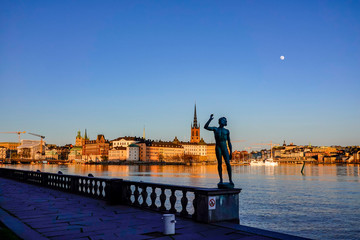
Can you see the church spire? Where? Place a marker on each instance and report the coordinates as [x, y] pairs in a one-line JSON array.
[[85, 136], [195, 124], [195, 129]]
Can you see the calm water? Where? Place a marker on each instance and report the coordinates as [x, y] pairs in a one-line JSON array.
[[321, 204]]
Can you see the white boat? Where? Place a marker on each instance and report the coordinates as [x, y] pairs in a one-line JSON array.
[[266, 162], [270, 162], [255, 162]]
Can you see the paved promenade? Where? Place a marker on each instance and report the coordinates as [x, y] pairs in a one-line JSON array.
[[34, 212]]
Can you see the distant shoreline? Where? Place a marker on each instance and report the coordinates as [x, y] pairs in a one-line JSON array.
[[134, 163]]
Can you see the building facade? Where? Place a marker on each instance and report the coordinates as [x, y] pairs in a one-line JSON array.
[[133, 152], [2, 152], [30, 149], [96, 150], [75, 153], [125, 141], [117, 154], [10, 145], [80, 140]]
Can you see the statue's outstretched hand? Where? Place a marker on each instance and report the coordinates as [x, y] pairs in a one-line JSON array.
[[212, 116]]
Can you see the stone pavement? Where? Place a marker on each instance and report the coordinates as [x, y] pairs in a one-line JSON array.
[[35, 212]]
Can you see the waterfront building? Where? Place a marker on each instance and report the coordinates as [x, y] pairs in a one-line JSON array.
[[133, 152], [64, 151], [75, 154], [142, 150], [240, 156], [210, 152], [199, 152], [356, 157], [30, 149], [10, 145], [80, 141], [2, 152], [125, 141], [96, 150], [118, 154], [325, 150], [163, 151], [51, 154]]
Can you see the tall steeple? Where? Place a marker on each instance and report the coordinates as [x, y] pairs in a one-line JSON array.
[[195, 124], [195, 129], [85, 136]]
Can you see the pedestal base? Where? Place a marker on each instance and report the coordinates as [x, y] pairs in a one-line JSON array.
[[225, 185]]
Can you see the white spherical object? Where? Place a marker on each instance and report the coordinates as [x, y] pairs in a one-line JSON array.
[[282, 57]]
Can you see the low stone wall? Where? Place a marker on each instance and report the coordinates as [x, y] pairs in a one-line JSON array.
[[201, 204]]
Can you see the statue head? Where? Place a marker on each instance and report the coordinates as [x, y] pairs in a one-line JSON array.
[[222, 121]]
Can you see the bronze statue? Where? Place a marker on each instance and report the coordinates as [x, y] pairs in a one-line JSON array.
[[222, 139]]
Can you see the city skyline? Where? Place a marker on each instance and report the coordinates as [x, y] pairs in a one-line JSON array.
[[117, 67]]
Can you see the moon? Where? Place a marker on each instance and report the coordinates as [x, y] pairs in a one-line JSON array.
[[282, 57]]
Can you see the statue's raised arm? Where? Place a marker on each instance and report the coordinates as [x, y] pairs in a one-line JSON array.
[[206, 126]]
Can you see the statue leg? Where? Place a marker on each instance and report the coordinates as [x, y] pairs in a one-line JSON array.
[[218, 157], [228, 166]]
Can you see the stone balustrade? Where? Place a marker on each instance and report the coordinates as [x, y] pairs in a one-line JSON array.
[[201, 204]]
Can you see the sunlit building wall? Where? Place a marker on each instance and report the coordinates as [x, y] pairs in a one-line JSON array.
[[30, 149], [118, 154], [96, 150], [10, 145], [124, 141], [51, 154], [2, 152], [132, 152], [75, 153]]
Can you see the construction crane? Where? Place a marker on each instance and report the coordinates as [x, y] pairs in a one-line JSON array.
[[271, 144], [18, 133], [41, 141]]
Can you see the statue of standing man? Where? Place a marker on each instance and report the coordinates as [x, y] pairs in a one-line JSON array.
[[222, 139]]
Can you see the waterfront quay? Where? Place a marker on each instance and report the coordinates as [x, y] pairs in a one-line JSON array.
[[33, 211]]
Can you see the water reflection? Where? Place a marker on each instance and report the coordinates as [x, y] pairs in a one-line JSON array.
[[321, 204], [311, 171]]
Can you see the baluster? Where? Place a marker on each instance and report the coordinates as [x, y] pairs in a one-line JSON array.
[[194, 216], [136, 196], [59, 182], [56, 181], [68, 183], [153, 198], [62, 186], [101, 188], [162, 200], [96, 188], [103, 184], [128, 194], [172, 201], [144, 195], [91, 188], [86, 186], [184, 202], [83, 184]]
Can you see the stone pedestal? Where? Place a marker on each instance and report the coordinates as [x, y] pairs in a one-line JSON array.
[[216, 205]]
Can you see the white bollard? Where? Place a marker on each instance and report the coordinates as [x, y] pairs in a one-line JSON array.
[[169, 224]]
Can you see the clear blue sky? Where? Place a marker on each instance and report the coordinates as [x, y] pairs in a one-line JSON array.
[[113, 67]]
